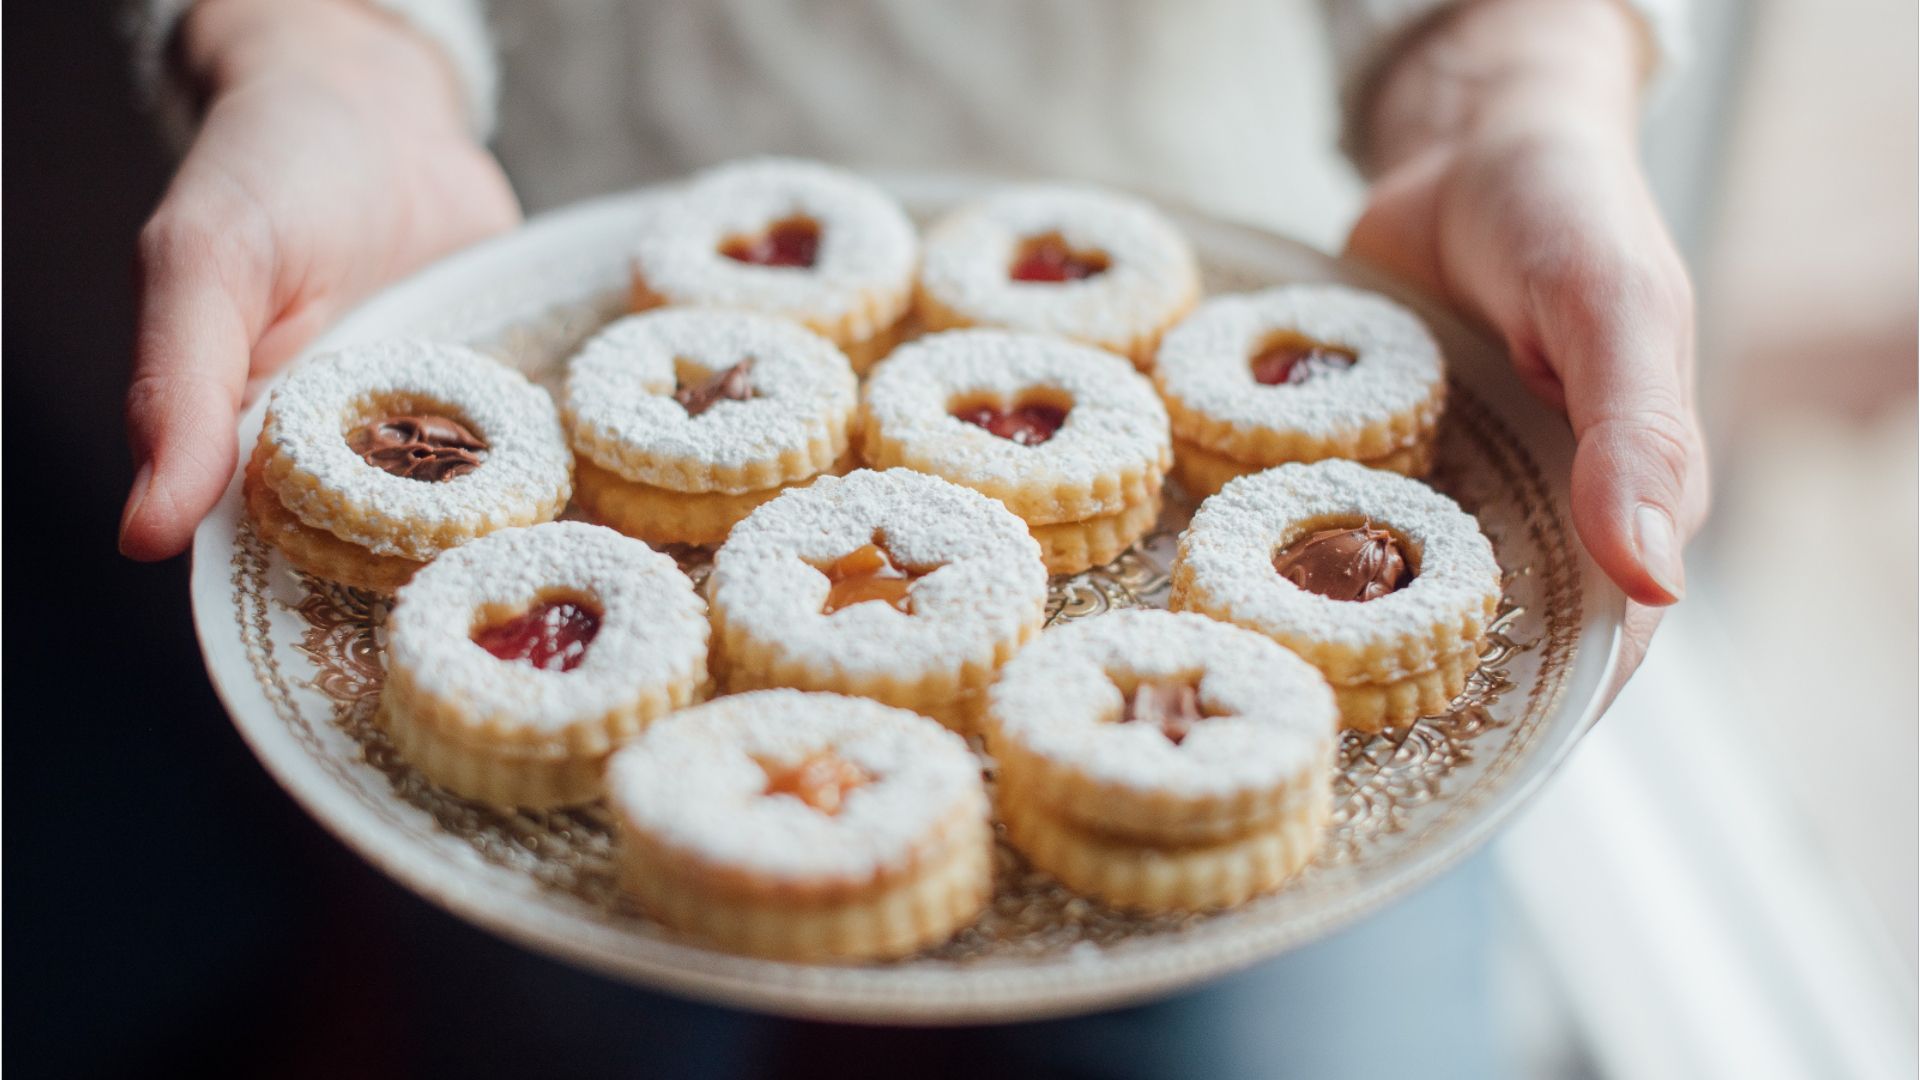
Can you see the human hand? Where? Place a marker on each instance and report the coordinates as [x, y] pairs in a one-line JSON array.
[[333, 158], [1507, 181]]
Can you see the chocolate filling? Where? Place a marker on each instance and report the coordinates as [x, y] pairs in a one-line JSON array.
[[729, 384], [1363, 563], [429, 448]]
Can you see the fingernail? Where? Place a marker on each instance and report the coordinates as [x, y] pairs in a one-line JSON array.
[[1659, 551], [142, 480]]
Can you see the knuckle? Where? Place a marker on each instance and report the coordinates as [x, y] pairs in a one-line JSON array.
[[178, 238], [1660, 440], [1599, 285]]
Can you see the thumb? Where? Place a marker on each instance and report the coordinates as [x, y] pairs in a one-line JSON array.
[[191, 355], [1620, 337]]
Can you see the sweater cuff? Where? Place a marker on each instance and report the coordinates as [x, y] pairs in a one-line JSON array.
[[457, 27], [1368, 34]]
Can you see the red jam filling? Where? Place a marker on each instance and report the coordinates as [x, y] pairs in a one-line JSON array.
[[866, 574], [1173, 707], [1049, 258], [1291, 359], [793, 242], [551, 635], [1029, 424]]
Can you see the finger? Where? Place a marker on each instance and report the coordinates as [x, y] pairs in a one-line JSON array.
[[1619, 335], [1395, 232], [195, 332]]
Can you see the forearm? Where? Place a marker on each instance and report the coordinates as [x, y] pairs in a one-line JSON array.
[[1504, 68]]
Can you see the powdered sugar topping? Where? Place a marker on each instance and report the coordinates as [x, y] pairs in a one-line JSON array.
[[1116, 422], [1230, 545], [526, 465], [653, 626], [696, 781], [1151, 274], [619, 405], [1270, 715], [1205, 362], [986, 585], [867, 245]]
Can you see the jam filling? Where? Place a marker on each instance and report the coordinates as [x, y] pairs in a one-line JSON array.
[[552, 635], [1358, 564], [793, 242], [868, 574], [822, 780], [428, 448], [1028, 424], [1291, 359], [729, 384], [1173, 707], [1049, 258]]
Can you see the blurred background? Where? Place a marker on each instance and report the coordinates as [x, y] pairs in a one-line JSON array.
[[1721, 883]]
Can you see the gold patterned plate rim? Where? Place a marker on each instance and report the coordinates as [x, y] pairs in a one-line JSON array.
[[296, 664]]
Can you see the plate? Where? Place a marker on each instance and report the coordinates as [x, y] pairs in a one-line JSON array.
[[297, 663]]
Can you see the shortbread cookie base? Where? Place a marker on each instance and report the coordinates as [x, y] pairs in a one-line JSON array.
[[1405, 656], [659, 516], [1202, 472], [1074, 546], [866, 333], [1036, 500], [693, 478], [1370, 706], [506, 777], [316, 551], [479, 725], [953, 696], [935, 315], [1267, 447], [895, 919], [1152, 879], [1136, 815]]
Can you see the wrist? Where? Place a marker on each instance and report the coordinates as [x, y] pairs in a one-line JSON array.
[[345, 47], [1503, 69]]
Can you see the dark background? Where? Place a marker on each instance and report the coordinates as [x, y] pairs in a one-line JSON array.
[[166, 906]]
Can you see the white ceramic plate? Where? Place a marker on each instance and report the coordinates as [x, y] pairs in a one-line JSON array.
[[297, 663]]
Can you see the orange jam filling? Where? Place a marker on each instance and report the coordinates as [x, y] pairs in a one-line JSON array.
[[794, 242], [822, 780], [1290, 359], [869, 573], [1049, 258]]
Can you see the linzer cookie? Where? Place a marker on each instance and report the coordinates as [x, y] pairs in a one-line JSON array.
[[684, 420], [1068, 437], [796, 239], [1161, 761], [892, 585], [803, 827], [1299, 373], [1384, 584], [375, 459], [516, 663], [1072, 261]]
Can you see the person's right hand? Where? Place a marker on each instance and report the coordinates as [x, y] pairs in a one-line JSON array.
[[334, 157]]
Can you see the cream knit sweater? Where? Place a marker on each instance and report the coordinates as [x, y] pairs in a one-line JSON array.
[[1234, 106]]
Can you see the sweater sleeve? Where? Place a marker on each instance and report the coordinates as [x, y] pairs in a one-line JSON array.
[[458, 27], [1366, 34]]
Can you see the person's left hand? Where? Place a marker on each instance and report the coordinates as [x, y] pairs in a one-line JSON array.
[[1519, 198]]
